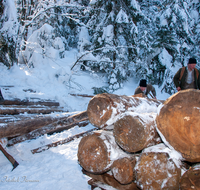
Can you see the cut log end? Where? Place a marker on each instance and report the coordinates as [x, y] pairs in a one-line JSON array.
[[156, 171], [123, 170], [190, 179], [99, 110], [92, 154], [178, 121], [132, 134]]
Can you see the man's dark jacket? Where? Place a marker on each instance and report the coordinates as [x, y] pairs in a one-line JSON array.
[[181, 83], [149, 88]]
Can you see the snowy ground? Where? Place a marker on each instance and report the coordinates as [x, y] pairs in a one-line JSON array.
[[56, 168]]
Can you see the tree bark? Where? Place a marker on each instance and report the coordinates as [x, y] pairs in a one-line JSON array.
[[104, 106], [154, 170], [178, 122], [134, 132]]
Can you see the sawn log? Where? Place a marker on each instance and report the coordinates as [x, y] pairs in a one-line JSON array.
[[134, 132], [155, 170], [178, 122], [104, 106], [97, 152]]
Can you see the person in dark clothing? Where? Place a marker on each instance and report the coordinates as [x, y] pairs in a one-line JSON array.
[[187, 77], [1, 96], [145, 88]]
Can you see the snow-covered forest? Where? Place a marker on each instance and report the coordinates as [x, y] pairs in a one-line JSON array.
[[117, 39], [58, 49]]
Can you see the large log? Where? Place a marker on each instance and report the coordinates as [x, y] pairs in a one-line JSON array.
[[134, 132], [178, 123], [190, 180], [123, 169], [97, 151], [154, 170], [104, 107]]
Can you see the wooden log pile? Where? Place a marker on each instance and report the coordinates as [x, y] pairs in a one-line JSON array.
[[22, 120], [143, 143]]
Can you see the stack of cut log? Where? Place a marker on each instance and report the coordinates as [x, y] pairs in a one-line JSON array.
[[143, 143]]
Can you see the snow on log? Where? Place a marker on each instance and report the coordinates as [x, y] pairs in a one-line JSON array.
[[133, 132], [154, 170], [178, 123], [123, 170], [103, 108], [190, 180], [97, 151]]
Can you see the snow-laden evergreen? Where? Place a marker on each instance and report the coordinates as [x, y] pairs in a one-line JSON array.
[[117, 39]]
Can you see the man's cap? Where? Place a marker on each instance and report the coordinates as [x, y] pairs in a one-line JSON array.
[[143, 83], [192, 61]]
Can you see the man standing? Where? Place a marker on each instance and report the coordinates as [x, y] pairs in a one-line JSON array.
[[1, 96], [145, 88], [187, 77]]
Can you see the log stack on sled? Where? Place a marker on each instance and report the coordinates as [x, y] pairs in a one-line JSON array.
[[143, 143]]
